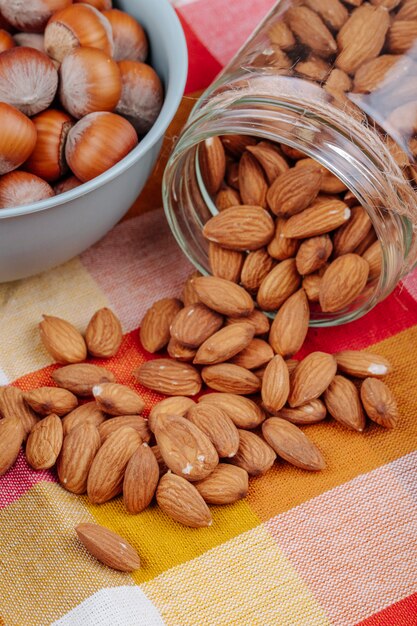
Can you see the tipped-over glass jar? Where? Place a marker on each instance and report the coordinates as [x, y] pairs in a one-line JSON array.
[[337, 82]]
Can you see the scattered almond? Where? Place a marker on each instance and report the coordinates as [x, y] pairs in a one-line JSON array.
[[313, 254], [290, 326], [243, 412], [311, 30], [137, 422], [278, 285], [11, 438], [224, 344], [225, 485], [178, 351], [80, 379], [116, 399], [140, 480], [362, 364], [311, 378], [373, 256], [230, 378], [104, 334], [155, 327], [275, 385], [88, 413], [256, 266], [44, 443], [12, 404], [225, 263], [321, 217], [258, 319], [169, 377], [223, 296], [291, 444], [254, 455], [108, 548], [79, 448], [194, 324], [343, 281], [310, 413], [256, 354], [349, 236], [281, 247], [62, 340], [177, 405], [181, 501], [379, 403], [218, 427], [343, 403], [47, 400]]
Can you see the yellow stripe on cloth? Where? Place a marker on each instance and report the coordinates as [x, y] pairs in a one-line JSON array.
[[246, 581]]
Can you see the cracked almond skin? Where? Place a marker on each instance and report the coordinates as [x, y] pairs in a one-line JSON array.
[[243, 412], [212, 163], [230, 378], [155, 327], [171, 378], [225, 485], [108, 548], [12, 404], [81, 378], [278, 285], [177, 405], [291, 444], [275, 385], [186, 450], [140, 480], [224, 344], [194, 324], [322, 216], [343, 403], [137, 422], [252, 183], [115, 399], [343, 281], [362, 364], [310, 413], [311, 378], [257, 354], [290, 326], [44, 443], [181, 501], [11, 438], [294, 190], [218, 427], [62, 340], [225, 263], [379, 403], [47, 400], [88, 413], [244, 227], [223, 296], [104, 334], [79, 448], [254, 455]]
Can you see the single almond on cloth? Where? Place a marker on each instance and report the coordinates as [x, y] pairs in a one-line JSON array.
[[362, 364], [212, 161], [171, 378], [62, 340], [137, 422], [79, 448], [252, 183], [225, 344], [162, 466], [294, 190], [258, 319], [278, 285], [104, 334], [194, 324], [80, 379], [181, 501], [116, 399], [256, 266], [343, 281], [225, 485], [226, 198], [311, 30], [140, 480], [108, 548], [313, 254], [230, 378], [322, 216], [275, 385], [155, 327], [270, 158], [177, 405], [88, 413], [223, 296], [311, 378], [349, 236], [281, 247], [310, 413], [189, 295], [292, 445], [256, 354], [311, 285], [343, 403], [243, 227], [47, 400], [243, 412], [218, 427], [178, 351], [225, 263], [373, 256], [379, 402], [11, 438], [186, 450], [235, 145], [254, 455], [44, 443], [107, 470], [290, 326], [12, 404]]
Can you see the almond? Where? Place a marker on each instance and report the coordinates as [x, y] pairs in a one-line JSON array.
[[169, 377], [291, 364], [141, 480], [108, 548], [321, 217], [349, 236], [79, 448], [243, 412], [379, 403], [223, 296], [11, 438], [212, 163], [47, 400], [177, 405], [104, 334], [226, 198], [292, 153], [241, 228], [181, 501], [232, 174], [372, 74], [294, 190], [343, 403], [225, 344], [313, 253], [12, 404], [225, 263], [329, 182], [343, 281], [230, 378], [163, 469], [225, 485], [62, 340], [332, 12], [137, 422], [281, 247], [355, 44], [44, 443], [281, 35], [252, 184], [401, 36], [194, 324], [311, 285], [373, 256], [254, 455], [269, 157], [258, 319], [178, 351], [311, 378], [278, 285], [311, 30], [256, 354], [256, 266], [314, 68], [291, 444], [361, 364], [235, 145], [189, 295], [80, 379], [155, 327], [88, 413], [186, 450], [366, 242], [408, 10], [290, 326], [218, 427], [310, 413], [338, 81], [275, 385], [107, 470], [116, 399]]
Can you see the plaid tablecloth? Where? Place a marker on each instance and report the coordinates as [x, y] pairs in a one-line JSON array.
[[309, 549]]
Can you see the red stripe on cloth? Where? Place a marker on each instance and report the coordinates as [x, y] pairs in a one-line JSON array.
[[19, 479], [402, 613]]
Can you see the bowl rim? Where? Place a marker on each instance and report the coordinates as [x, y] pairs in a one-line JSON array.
[[174, 94]]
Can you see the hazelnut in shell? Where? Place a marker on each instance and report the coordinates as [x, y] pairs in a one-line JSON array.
[[17, 138], [66, 185], [18, 188], [6, 41], [129, 38], [31, 15], [142, 95], [30, 40], [97, 142], [89, 81], [48, 157]]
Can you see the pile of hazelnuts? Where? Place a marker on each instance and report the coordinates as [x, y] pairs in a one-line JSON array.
[[76, 94]]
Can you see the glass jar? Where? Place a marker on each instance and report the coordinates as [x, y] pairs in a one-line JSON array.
[[338, 82]]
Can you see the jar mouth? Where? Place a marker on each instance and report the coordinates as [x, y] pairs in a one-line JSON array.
[[351, 152]]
